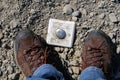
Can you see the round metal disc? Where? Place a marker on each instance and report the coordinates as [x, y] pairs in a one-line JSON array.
[[60, 33]]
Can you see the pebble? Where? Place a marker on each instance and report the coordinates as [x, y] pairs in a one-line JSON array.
[[117, 1], [67, 1], [10, 69], [66, 50], [114, 40], [73, 63], [102, 16], [113, 18], [13, 76], [1, 35], [83, 11], [14, 23], [101, 4], [63, 55], [113, 0], [92, 14], [12, 44], [67, 10], [118, 50], [4, 45], [70, 70], [2, 68], [77, 53], [111, 35], [76, 14], [32, 11], [37, 1], [61, 49], [75, 76], [10, 54], [93, 1], [57, 49], [76, 70], [31, 18], [74, 18]]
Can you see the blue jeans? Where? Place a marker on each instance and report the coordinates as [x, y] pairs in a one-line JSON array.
[[47, 71]]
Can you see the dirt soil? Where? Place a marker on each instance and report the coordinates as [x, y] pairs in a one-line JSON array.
[[35, 14]]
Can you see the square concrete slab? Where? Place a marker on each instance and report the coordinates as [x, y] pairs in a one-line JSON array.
[[60, 33]]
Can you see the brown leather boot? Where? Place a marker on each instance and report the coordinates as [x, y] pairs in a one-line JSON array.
[[97, 51], [30, 50]]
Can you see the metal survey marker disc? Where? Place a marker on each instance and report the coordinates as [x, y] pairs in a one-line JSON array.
[[60, 33]]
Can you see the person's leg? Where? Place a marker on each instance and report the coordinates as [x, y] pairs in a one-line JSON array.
[[92, 73], [45, 72]]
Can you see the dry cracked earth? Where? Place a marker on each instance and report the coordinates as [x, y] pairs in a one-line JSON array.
[[35, 14]]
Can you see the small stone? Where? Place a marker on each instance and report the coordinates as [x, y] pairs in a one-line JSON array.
[[91, 14], [2, 68], [114, 40], [117, 1], [31, 18], [70, 70], [10, 69], [61, 49], [13, 76], [101, 4], [113, 0], [67, 1], [37, 1], [77, 53], [1, 35], [119, 19], [76, 70], [115, 29], [113, 18], [67, 9], [73, 63], [111, 35], [74, 18], [32, 11], [102, 16], [66, 50], [14, 23], [4, 45], [11, 44], [93, 1], [57, 49], [84, 25], [83, 11], [63, 55], [76, 14], [118, 50]]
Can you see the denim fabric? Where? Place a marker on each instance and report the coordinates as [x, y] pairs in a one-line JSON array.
[[46, 72], [92, 73]]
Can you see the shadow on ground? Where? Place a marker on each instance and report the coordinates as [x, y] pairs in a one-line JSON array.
[[55, 60]]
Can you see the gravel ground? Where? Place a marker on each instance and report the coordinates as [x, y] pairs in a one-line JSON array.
[[35, 14]]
